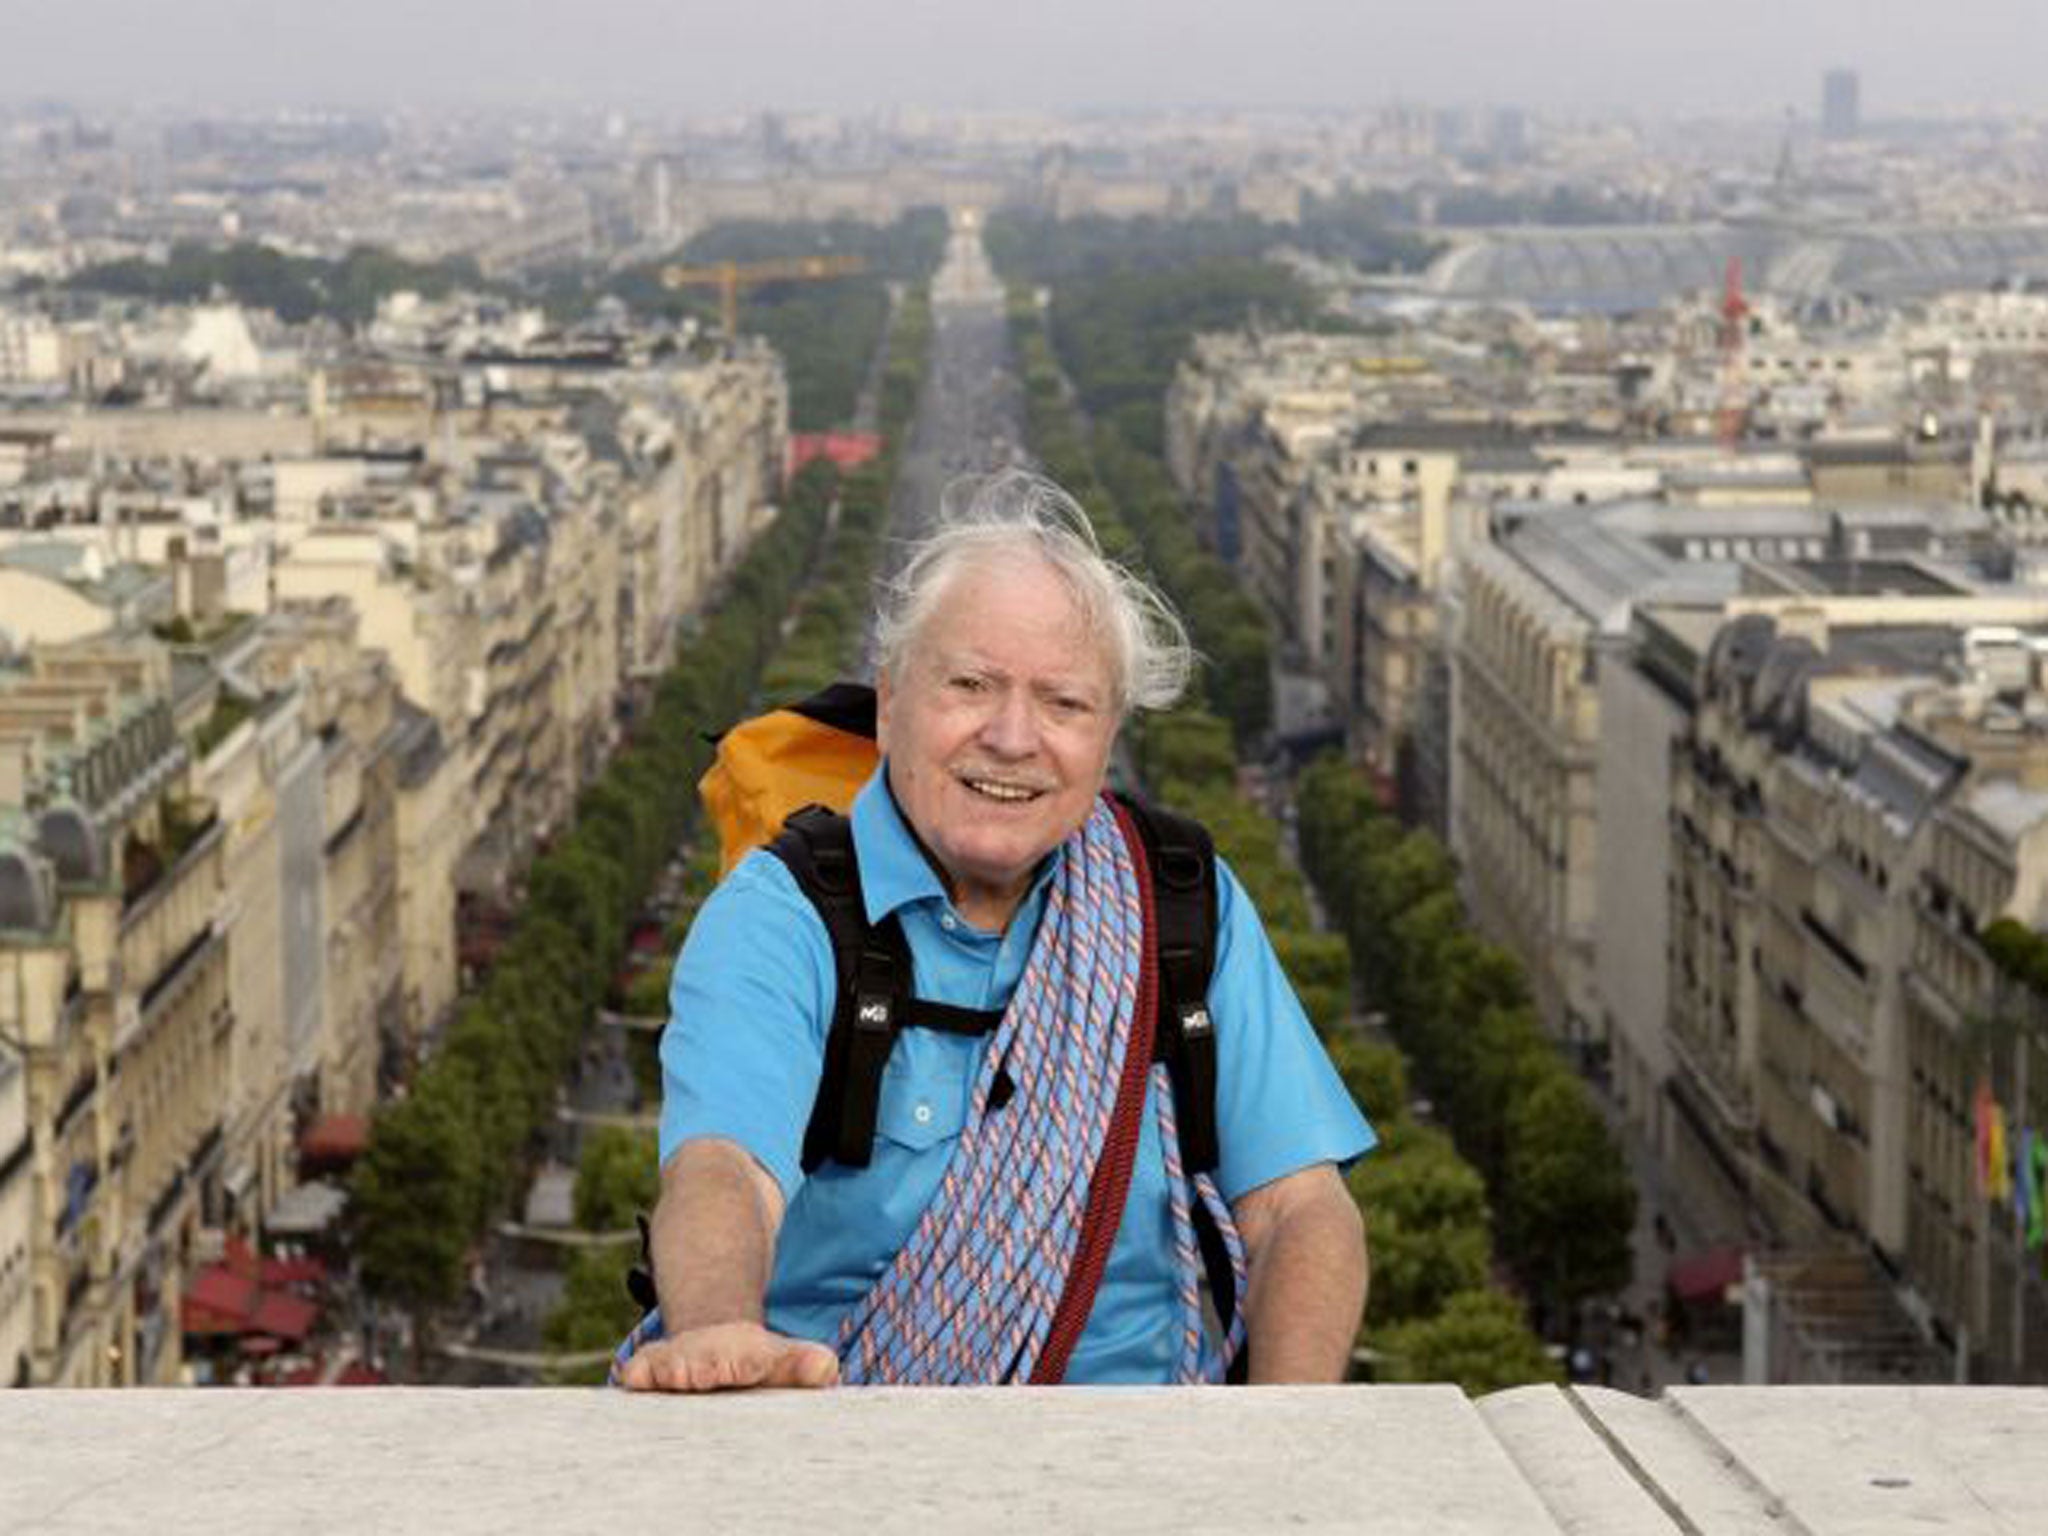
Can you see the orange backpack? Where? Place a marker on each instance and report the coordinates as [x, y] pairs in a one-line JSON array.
[[818, 751]]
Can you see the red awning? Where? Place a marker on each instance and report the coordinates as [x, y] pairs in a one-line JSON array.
[[219, 1295], [283, 1316], [335, 1139], [1704, 1276]]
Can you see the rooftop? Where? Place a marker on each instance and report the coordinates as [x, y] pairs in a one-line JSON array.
[[1612, 268], [1425, 1459], [1594, 560], [2009, 808]]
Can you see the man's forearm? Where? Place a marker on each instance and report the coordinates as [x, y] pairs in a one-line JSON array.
[[713, 1237], [1307, 1292]]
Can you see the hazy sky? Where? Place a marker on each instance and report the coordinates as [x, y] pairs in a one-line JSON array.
[[1644, 55]]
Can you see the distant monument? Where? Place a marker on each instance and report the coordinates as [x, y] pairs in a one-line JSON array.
[[1840, 106]]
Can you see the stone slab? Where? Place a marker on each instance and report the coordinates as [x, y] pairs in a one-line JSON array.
[[1665, 1451], [451, 1462], [1860, 1461], [1572, 1464]]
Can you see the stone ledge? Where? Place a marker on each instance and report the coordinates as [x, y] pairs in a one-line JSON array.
[[1392, 1459]]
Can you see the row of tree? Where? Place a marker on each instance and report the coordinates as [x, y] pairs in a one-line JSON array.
[[1125, 300], [823, 331], [1434, 1315], [295, 288], [1366, 232], [1098, 465], [454, 1150], [617, 1171], [823, 645], [1460, 1007], [1186, 758]]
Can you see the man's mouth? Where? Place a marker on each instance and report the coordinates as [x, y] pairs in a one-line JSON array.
[[1002, 791]]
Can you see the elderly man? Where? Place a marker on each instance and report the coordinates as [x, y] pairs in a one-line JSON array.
[[1010, 651]]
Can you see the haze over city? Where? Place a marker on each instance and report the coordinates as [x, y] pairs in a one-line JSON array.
[[1599, 454], [1655, 57]]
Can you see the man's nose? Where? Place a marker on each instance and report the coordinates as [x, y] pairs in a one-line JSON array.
[[1012, 725]]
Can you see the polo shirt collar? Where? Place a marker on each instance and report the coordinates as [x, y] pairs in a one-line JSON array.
[[894, 871]]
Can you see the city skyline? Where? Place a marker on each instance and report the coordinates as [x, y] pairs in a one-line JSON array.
[[1747, 58]]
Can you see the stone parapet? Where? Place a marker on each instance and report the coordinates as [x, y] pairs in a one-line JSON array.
[[1418, 1459]]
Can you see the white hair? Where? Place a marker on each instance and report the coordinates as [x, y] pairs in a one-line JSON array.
[[983, 522]]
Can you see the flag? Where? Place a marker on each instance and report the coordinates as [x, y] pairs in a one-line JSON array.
[[2001, 1161], [2023, 1191], [2037, 1176], [1980, 1112]]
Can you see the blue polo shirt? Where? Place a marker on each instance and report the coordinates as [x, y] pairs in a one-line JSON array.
[[750, 1005]]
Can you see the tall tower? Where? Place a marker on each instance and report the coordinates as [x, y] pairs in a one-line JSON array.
[[1840, 105], [1733, 415]]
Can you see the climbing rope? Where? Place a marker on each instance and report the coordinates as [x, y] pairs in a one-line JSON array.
[[971, 1296]]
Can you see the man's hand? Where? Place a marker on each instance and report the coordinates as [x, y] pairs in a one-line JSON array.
[[726, 1357]]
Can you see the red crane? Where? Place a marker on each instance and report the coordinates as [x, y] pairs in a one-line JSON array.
[[1734, 408]]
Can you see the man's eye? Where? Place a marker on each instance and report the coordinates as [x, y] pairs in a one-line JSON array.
[[967, 684]]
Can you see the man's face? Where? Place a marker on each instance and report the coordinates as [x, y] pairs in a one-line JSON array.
[[998, 728]]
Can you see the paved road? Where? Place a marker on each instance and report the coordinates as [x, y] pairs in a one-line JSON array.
[[970, 417]]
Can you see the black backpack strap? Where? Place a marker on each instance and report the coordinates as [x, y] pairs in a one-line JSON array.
[[1183, 860], [872, 1000], [640, 1278], [923, 1013], [872, 973]]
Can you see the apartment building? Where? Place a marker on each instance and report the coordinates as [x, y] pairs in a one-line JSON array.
[[116, 996], [1857, 794], [1229, 381], [1543, 609], [1406, 500], [1976, 1036], [17, 1208], [258, 761]]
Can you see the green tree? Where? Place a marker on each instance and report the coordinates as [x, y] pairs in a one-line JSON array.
[[1377, 1076], [1569, 1208], [1425, 1210], [1480, 1340], [413, 1199], [618, 1177], [595, 1311], [1319, 966], [647, 997]]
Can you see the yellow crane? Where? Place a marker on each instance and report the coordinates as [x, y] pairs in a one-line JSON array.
[[728, 277]]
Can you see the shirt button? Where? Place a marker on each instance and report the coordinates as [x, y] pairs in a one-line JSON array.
[[947, 922], [922, 1114]]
